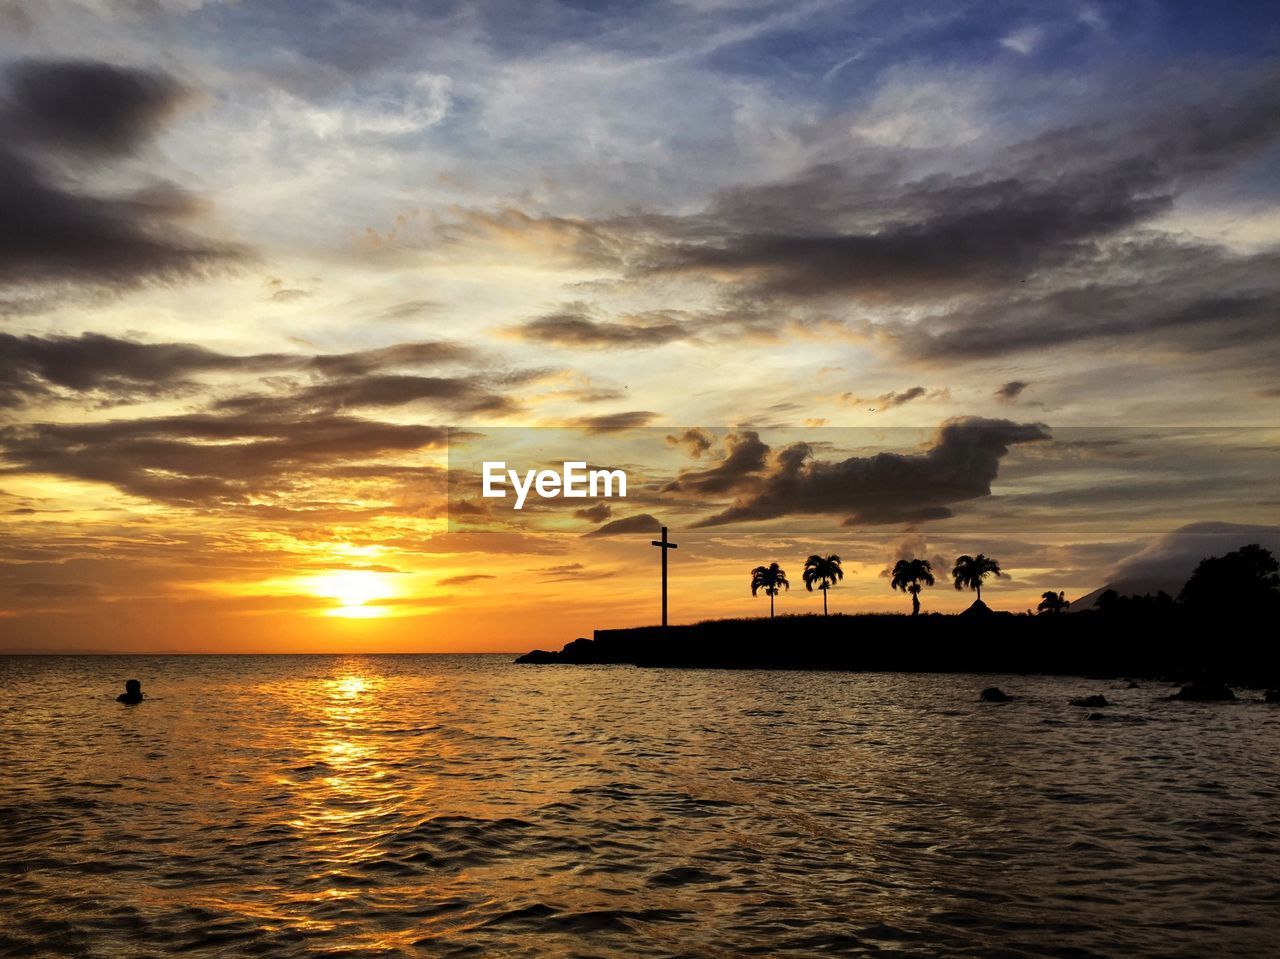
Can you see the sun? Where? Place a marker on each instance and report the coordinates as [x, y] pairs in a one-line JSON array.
[[353, 590]]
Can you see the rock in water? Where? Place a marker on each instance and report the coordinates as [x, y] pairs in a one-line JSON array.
[[1091, 701], [994, 694], [581, 650], [539, 657], [1272, 696], [1204, 691]]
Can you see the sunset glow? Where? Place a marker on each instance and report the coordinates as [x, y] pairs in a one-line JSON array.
[[909, 293], [352, 590]]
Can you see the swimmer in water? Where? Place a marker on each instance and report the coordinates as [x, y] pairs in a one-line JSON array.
[[132, 693]]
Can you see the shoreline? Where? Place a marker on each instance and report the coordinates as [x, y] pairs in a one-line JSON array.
[[1083, 644]]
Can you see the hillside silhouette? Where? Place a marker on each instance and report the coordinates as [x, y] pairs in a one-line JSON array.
[[1216, 626]]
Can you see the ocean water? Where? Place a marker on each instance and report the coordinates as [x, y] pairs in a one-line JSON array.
[[464, 806]]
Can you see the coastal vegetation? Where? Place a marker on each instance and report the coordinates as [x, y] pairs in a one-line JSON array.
[[1209, 629], [771, 579], [825, 572]]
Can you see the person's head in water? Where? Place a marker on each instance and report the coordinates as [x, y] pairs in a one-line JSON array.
[[132, 692]]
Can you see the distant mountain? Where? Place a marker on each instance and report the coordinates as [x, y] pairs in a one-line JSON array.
[[1130, 588], [1169, 560]]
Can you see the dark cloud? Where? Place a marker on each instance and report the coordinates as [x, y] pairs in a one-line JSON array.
[[463, 580], [890, 400], [1048, 246], [208, 460], [694, 441], [609, 422], [113, 369], [744, 460], [960, 465], [85, 107], [640, 523], [464, 394], [577, 327], [53, 233], [1011, 391], [1157, 290], [569, 572], [594, 514], [1055, 194], [424, 353], [54, 229], [887, 401], [34, 366]]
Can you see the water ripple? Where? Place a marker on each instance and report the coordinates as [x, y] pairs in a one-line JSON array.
[[463, 806]]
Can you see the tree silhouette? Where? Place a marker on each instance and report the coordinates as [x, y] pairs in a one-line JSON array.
[[1144, 608], [908, 575], [970, 571], [823, 570], [1248, 576], [1051, 602], [770, 578]]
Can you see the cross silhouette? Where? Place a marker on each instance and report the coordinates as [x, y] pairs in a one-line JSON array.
[[663, 545]]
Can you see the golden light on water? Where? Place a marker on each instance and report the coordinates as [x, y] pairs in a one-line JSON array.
[[351, 686]]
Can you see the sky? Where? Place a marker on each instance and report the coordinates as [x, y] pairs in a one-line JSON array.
[[877, 279]]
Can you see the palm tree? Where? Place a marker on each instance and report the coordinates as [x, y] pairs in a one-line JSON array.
[[908, 574], [825, 571], [1051, 602], [770, 578], [970, 571]]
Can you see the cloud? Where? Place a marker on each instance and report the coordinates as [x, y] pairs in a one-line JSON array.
[[610, 422], [1191, 297], [887, 401], [576, 327], [208, 460], [1024, 40], [640, 523], [463, 580], [421, 353], [594, 514], [464, 394], [1011, 391], [744, 459], [890, 400], [1052, 240], [569, 572], [694, 441], [115, 370], [87, 108], [52, 228], [960, 465], [1168, 561], [34, 366], [914, 545], [947, 233]]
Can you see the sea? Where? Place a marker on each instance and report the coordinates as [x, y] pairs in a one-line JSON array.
[[353, 806]]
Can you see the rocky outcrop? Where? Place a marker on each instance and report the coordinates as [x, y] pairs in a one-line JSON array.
[[1205, 691], [994, 694], [1094, 701]]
